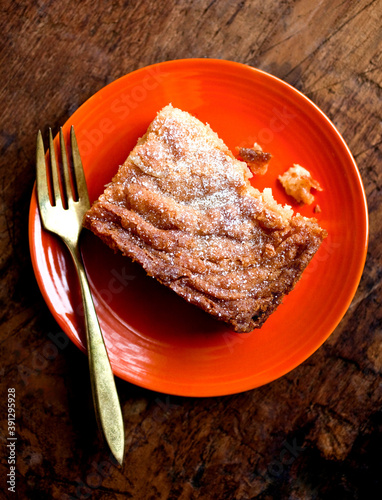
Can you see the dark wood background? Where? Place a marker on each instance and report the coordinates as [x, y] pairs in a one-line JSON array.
[[315, 433]]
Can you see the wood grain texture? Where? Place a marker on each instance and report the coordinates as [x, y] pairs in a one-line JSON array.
[[315, 433]]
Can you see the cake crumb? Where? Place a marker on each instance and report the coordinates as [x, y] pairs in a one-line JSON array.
[[256, 159], [297, 182], [317, 209]]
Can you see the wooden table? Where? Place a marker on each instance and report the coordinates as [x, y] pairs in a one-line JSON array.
[[315, 433]]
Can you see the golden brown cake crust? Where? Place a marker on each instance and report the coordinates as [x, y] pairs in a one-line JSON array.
[[182, 206]]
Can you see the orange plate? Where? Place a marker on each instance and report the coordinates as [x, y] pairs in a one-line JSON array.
[[155, 339]]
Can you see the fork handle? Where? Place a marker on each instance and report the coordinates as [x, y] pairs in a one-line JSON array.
[[105, 396]]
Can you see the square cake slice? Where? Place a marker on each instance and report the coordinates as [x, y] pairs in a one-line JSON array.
[[183, 207]]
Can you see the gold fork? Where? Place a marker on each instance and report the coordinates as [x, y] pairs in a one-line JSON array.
[[63, 216]]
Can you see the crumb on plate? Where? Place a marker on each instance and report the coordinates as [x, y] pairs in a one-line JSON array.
[[256, 159], [297, 182]]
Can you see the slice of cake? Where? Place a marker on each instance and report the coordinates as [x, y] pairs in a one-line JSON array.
[[182, 206]]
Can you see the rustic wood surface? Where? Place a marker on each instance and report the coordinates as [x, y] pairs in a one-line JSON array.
[[313, 434]]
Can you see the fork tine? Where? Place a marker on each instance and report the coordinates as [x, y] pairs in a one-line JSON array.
[[65, 167], [41, 177], [82, 190], [54, 170]]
